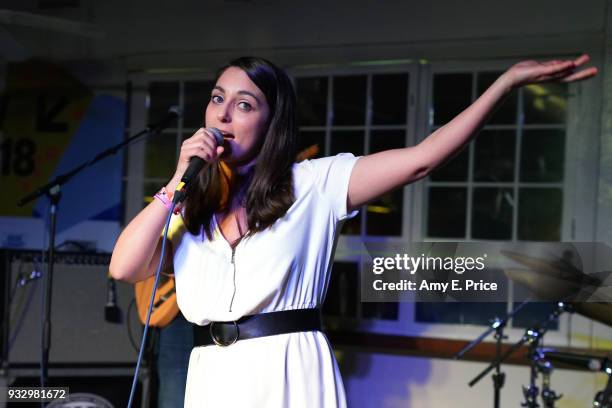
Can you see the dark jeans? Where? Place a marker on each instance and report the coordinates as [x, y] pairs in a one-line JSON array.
[[172, 352]]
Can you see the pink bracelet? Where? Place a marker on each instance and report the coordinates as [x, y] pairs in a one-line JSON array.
[[166, 199]]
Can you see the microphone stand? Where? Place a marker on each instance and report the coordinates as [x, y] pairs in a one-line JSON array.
[[53, 191], [498, 326]]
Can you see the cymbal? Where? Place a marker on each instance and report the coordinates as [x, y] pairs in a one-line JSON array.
[[556, 279], [599, 311], [559, 268], [553, 288]]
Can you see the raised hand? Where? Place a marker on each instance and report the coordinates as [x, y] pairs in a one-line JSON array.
[[533, 72]]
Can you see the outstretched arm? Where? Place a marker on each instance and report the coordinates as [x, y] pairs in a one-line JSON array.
[[379, 173]]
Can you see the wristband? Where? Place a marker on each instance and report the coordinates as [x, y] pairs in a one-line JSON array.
[[165, 198]]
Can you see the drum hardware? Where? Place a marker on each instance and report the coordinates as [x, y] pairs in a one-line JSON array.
[[532, 336], [603, 399], [545, 367]]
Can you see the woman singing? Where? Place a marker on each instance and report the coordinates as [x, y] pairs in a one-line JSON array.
[[252, 247]]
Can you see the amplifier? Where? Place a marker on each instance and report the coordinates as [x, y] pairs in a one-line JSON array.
[[79, 331]]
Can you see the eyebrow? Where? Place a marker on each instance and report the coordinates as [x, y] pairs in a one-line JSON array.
[[239, 92]]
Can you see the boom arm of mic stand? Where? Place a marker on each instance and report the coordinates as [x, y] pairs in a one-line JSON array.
[[63, 178], [494, 326], [504, 356]]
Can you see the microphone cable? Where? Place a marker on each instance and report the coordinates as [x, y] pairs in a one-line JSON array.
[[146, 327]]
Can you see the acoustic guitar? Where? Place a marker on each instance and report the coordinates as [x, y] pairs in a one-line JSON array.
[[165, 307]]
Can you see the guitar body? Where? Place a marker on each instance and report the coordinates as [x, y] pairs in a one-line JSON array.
[[165, 308]]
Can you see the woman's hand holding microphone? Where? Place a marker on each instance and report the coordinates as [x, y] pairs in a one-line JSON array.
[[205, 146]]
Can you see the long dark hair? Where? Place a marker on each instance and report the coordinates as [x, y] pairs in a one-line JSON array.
[[270, 186]]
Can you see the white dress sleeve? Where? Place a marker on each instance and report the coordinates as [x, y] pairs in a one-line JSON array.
[[332, 176]]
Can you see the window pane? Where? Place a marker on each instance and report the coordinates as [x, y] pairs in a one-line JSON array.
[[494, 156], [381, 140], [310, 145], [542, 155], [349, 100], [540, 214], [352, 226], [312, 101], [454, 170], [162, 96], [452, 93], [380, 310], [347, 141], [545, 103], [446, 212], [385, 214], [185, 136], [506, 113], [343, 291], [459, 312], [160, 156], [533, 314], [492, 213], [389, 99], [197, 95], [149, 190]]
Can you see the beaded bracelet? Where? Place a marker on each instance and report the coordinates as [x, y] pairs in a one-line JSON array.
[[165, 198]]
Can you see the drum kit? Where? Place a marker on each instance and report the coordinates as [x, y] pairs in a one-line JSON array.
[[546, 274]]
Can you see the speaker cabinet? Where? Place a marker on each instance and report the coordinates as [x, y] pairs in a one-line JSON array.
[[79, 331]]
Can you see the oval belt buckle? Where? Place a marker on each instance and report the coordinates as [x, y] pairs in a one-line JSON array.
[[220, 342]]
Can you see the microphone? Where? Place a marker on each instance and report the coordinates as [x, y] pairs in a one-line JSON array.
[[195, 165], [112, 313], [23, 280], [174, 112]]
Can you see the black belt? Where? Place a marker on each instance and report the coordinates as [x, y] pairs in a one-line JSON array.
[[259, 325]]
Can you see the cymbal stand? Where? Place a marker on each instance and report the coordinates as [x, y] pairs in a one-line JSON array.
[[530, 393], [545, 367], [534, 338]]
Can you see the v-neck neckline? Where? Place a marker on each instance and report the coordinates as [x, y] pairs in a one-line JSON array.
[[224, 238]]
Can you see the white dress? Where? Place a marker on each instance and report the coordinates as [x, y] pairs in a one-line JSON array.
[[283, 268]]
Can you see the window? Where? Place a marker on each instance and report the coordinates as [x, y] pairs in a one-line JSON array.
[[361, 114], [506, 185]]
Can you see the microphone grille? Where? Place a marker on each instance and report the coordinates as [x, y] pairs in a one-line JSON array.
[[218, 135]]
